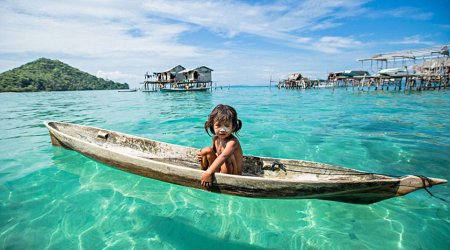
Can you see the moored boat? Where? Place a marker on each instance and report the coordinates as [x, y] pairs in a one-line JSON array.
[[394, 72], [262, 177], [183, 89], [355, 73], [128, 90]]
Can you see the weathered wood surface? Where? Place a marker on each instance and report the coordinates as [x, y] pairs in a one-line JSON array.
[[261, 178]]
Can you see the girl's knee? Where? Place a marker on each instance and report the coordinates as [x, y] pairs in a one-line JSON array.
[[209, 153], [206, 150], [207, 157]]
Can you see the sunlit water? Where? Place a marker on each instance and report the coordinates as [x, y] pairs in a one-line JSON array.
[[58, 199]]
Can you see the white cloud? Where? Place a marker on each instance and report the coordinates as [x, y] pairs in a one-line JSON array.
[[117, 75], [121, 40], [78, 34], [416, 39], [274, 20], [89, 36], [329, 44], [325, 25], [409, 12], [303, 39]]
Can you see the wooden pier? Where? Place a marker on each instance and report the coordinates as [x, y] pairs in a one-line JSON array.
[[432, 73], [410, 82]]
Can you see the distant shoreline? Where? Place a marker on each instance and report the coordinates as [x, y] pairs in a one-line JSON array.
[[44, 91]]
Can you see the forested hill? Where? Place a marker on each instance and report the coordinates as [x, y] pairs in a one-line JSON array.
[[52, 75]]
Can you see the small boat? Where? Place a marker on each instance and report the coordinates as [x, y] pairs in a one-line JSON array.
[[183, 89], [128, 90], [262, 177], [355, 73], [394, 72]]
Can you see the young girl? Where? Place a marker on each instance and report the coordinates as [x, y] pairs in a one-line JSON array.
[[225, 155]]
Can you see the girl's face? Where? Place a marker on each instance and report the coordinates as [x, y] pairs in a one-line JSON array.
[[223, 129]]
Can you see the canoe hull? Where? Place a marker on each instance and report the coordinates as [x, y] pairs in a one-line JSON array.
[[161, 161]]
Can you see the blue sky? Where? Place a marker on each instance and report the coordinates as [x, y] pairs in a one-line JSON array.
[[245, 42]]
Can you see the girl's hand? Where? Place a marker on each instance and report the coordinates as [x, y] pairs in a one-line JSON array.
[[199, 156], [206, 179]]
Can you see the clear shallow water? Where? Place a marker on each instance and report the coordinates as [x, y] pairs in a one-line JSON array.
[[58, 199]]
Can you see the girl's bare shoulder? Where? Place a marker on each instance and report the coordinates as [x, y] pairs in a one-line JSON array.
[[234, 142]]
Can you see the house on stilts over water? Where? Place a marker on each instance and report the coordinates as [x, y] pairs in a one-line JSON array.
[[419, 69], [179, 78], [297, 81]]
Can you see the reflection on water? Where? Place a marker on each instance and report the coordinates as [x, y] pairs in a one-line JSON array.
[[52, 197]]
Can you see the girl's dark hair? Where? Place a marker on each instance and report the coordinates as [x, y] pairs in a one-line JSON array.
[[223, 113]]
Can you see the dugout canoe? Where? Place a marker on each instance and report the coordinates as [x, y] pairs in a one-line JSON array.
[[262, 177]]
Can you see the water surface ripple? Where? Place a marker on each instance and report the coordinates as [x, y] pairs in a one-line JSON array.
[[58, 199]]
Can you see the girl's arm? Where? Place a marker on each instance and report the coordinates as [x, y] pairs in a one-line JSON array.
[[226, 153]]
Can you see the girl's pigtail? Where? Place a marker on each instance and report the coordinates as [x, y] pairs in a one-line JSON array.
[[239, 125]]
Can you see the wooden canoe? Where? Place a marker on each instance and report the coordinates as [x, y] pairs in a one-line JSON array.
[[262, 178]]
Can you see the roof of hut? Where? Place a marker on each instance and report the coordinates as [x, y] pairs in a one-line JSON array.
[[190, 70], [410, 54], [295, 76], [174, 69], [205, 68], [170, 70]]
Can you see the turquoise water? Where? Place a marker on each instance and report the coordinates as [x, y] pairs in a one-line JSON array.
[[58, 199]]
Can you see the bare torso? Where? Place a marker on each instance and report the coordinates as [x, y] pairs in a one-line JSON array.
[[233, 164]]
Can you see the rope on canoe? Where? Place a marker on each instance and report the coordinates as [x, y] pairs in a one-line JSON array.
[[279, 165], [426, 179], [350, 172], [343, 171]]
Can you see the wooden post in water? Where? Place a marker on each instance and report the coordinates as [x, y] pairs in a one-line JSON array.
[[406, 79]]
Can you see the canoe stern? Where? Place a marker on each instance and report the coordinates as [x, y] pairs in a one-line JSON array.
[[53, 138], [410, 183]]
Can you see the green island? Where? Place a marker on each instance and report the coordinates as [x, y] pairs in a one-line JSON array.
[[52, 75]]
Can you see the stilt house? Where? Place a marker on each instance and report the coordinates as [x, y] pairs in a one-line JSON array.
[[200, 74], [171, 75]]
